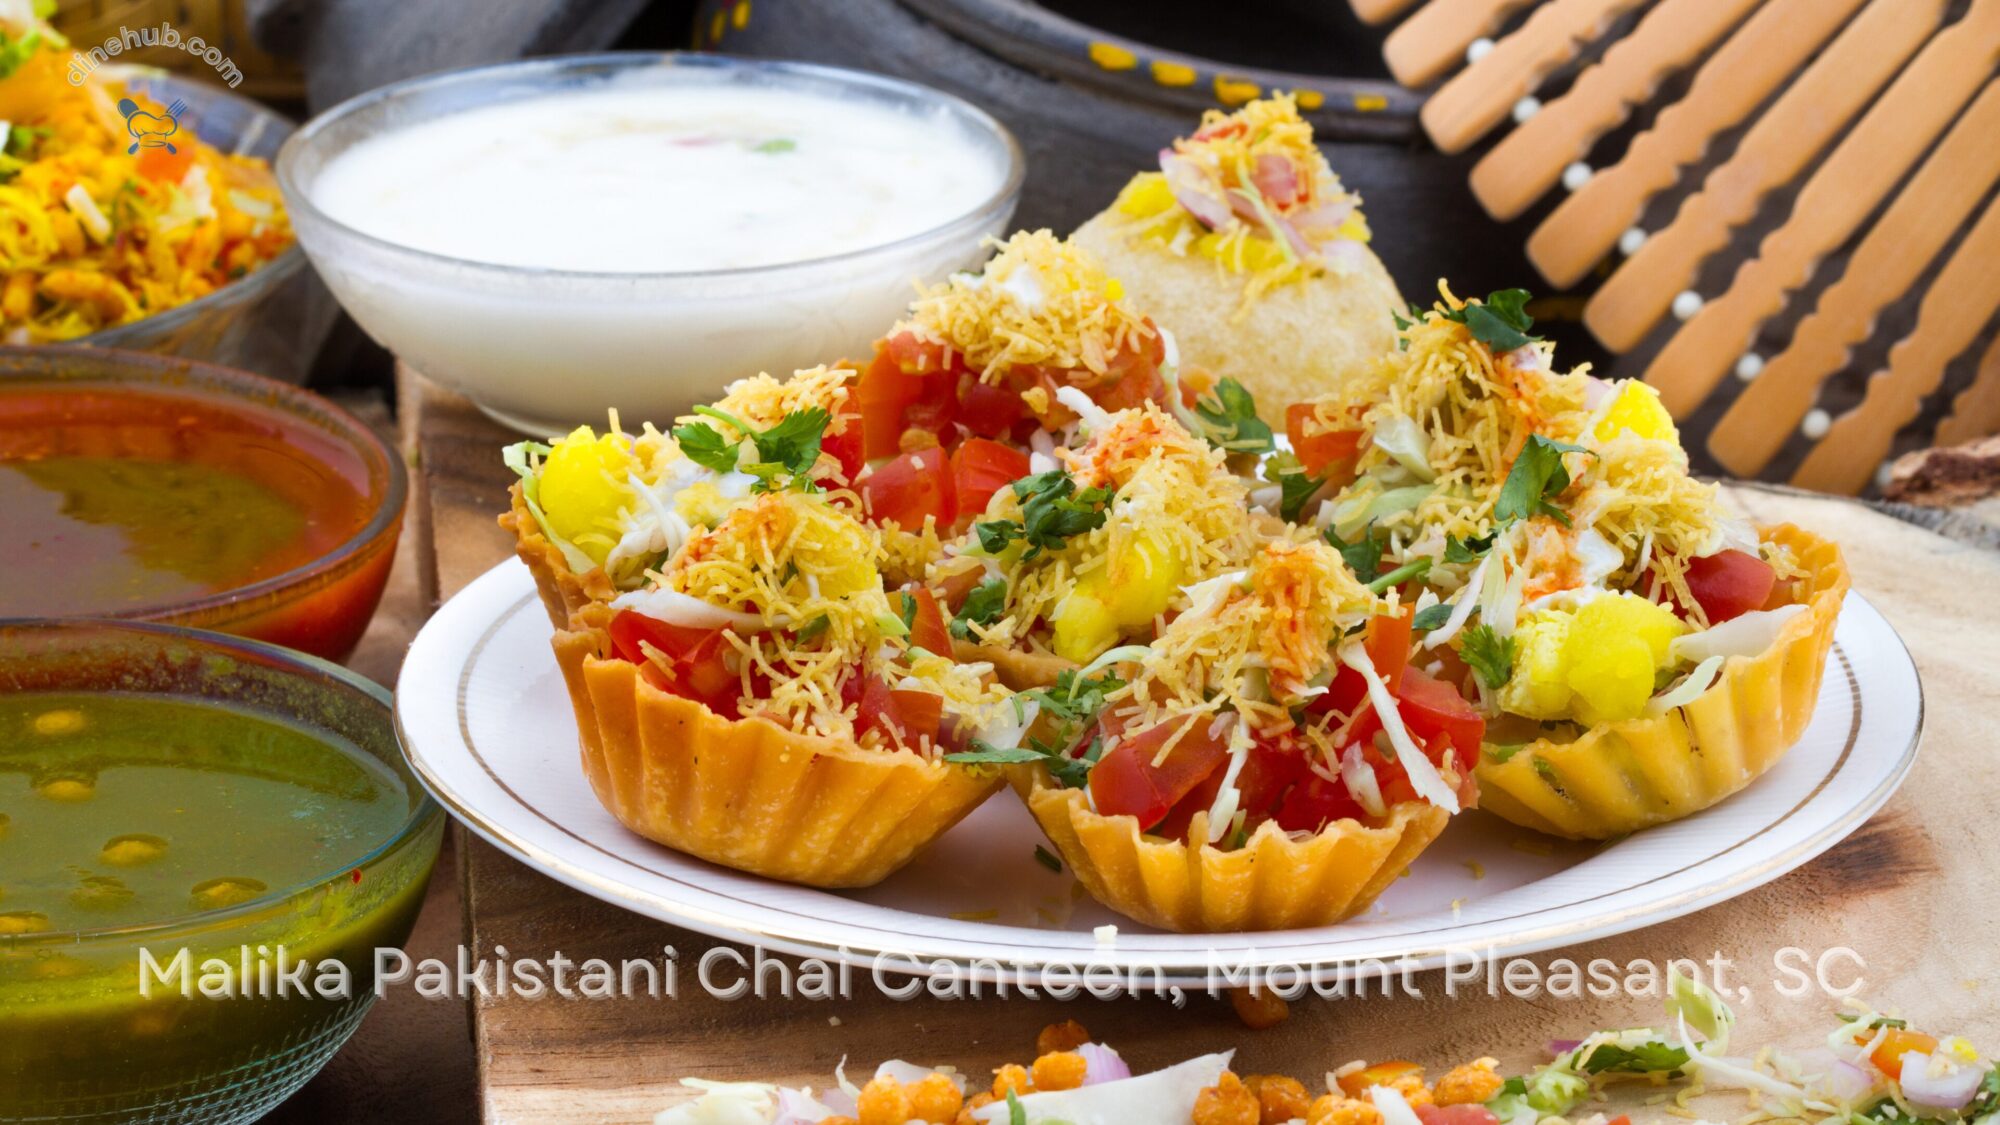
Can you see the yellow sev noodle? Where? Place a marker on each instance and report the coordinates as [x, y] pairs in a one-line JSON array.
[[1072, 319], [136, 244], [1478, 411], [1276, 632], [792, 558]]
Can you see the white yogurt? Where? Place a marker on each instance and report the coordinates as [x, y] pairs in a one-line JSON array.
[[666, 179], [634, 187]]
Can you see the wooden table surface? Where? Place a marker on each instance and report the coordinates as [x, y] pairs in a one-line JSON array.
[[1911, 892]]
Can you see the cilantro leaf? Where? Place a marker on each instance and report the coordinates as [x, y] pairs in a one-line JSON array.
[[984, 754], [1363, 556], [1229, 417], [778, 144], [1469, 549], [1432, 616], [706, 447], [1501, 322], [811, 630], [986, 604], [1488, 654], [1017, 1114], [994, 535], [1296, 490], [1052, 510], [794, 442], [1646, 1058], [1503, 752], [1537, 477]]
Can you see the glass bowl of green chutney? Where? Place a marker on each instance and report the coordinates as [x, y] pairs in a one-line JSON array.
[[205, 844]]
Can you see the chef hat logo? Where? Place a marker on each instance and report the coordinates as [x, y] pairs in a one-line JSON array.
[[151, 130]]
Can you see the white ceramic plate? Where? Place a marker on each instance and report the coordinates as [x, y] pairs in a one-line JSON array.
[[487, 723]]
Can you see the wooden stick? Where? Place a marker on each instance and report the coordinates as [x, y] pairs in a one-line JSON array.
[[1432, 43], [1902, 244], [1480, 96], [1771, 44], [1529, 161], [1775, 151], [1959, 303], [1976, 411], [1842, 193], [1379, 11]]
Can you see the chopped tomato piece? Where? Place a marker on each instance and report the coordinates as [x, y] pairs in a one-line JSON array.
[[707, 677], [928, 631], [1358, 1083], [916, 714], [980, 468], [1327, 454], [1315, 803], [1127, 780], [987, 409], [903, 717], [1274, 766], [1133, 375], [1729, 584], [1199, 799], [629, 627], [1388, 643], [908, 379], [1896, 1042], [1439, 718], [163, 165], [957, 586], [848, 445], [909, 486]]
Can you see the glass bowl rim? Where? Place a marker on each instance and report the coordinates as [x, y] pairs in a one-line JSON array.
[[251, 285], [233, 387], [299, 202], [292, 662]]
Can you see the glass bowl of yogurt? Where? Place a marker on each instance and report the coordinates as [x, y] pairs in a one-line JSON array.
[[559, 237]]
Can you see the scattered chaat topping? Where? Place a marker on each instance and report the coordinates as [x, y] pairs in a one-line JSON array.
[[97, 231], [1251, 192], [1040, 301], [1099, 546], [1568, 548]]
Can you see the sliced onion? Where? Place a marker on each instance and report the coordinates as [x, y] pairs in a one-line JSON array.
[[676, 608], [1561, 1047], [1468, 600], [1326, 217], [1344, 253], [1102, 1064], [1690, 688], [1277, 179], [1361, 781], [1747, 635], [1843, 1082], [1951, 1089], [1192, 187], [1094, 416]]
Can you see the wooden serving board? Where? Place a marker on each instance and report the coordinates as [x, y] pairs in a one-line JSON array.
[[1910, 892]]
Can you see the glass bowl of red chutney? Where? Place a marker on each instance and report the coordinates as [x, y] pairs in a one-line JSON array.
[[151, 488]]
